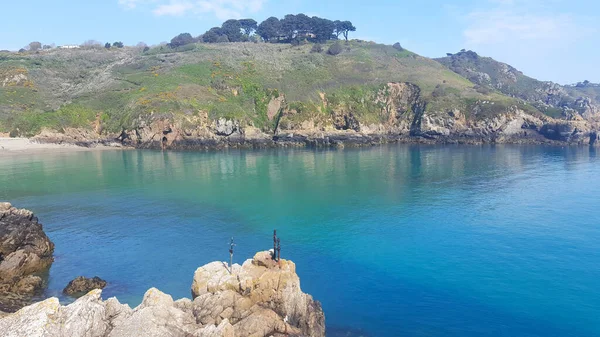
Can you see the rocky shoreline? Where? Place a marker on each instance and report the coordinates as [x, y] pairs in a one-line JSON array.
[[261, 297], [322, 140], [405, 117], [25, 257]]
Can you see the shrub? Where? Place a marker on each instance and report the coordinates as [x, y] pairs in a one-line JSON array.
[[482, 89], [335, 49], [223, 39], [317, 48], [439, 91]]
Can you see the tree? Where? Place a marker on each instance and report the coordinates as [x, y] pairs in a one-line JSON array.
[[232, 29], [181, 40], [398, 46], [146, 49], [322, 29], [118, 44], [47, 46], [107, 45], [269, 29], [304, 25], [212, 35], [289, 26], [35, 46], [337, 24], [249, 26], [141, 45], [223, 39], [345, 27]]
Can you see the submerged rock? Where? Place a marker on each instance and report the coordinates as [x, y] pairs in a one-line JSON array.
[[261, 298], [82, 285], [25, 252]]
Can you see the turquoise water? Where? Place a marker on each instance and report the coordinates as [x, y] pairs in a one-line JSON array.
[[394, 240]]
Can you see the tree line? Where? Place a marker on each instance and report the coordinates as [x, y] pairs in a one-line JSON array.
[[290, 29]]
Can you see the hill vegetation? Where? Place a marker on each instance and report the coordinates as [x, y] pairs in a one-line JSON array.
[[551, 98], [299, 81]]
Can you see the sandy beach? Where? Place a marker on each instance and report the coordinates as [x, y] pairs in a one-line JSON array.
[[12, 146]]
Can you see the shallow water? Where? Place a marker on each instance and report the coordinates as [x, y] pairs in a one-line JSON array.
[[393, 240]]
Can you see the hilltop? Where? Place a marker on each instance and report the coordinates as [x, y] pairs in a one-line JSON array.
[[202, 95]]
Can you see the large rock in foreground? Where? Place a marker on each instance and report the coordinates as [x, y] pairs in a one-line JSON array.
[[25, 252], [260, 298]]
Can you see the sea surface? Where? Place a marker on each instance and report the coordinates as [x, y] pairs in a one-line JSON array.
[[394, 240]]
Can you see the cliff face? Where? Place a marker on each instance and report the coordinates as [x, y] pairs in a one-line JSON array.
[[260, 298], [395, 112], [581, 101], [25, 254]]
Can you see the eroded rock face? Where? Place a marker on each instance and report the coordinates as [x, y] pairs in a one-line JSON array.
[[257, 298], [81, 285], [261, 298], [25, 250]]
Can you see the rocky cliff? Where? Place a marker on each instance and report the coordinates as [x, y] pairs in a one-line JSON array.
[[265, 95], [402, 113], [259, 298], [25, 255]]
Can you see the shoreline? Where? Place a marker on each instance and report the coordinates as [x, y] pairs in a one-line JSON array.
[[17, 146], [35, 146]]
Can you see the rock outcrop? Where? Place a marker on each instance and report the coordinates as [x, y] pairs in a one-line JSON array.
[[25, 253], [81, 285], [259, 298]]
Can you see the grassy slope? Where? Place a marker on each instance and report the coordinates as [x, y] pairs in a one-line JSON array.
[[234, 80], [512, 82]]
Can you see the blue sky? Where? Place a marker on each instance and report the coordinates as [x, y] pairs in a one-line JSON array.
[[556, 40]]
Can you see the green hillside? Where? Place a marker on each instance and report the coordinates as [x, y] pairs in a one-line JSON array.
[[550, 98], [117, 87]]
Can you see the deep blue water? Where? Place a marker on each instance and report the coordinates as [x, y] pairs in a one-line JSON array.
[[393, 240]]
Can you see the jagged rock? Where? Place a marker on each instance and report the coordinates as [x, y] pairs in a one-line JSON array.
[[226, 127], [24, 250], [260, 298], [82, 285], [256, 298]]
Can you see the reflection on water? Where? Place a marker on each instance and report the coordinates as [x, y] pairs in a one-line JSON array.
[[394, 240]]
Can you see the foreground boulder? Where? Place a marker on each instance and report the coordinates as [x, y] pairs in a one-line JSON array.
[[82, 285], [260, 298], [25, 252]]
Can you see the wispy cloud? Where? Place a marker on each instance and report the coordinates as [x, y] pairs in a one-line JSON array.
[[222, 9], [131, 4], [496, 26], [500, 21]]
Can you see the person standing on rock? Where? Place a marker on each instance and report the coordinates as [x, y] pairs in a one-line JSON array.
[[231, 245], [278, 249], [274, 245]]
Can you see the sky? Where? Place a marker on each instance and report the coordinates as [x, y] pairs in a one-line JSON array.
[[554, 40]]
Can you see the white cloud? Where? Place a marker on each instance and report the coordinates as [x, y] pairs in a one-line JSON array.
[[173, 9], [131, 4], [222, 9], [500, 25], [547, 39]]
